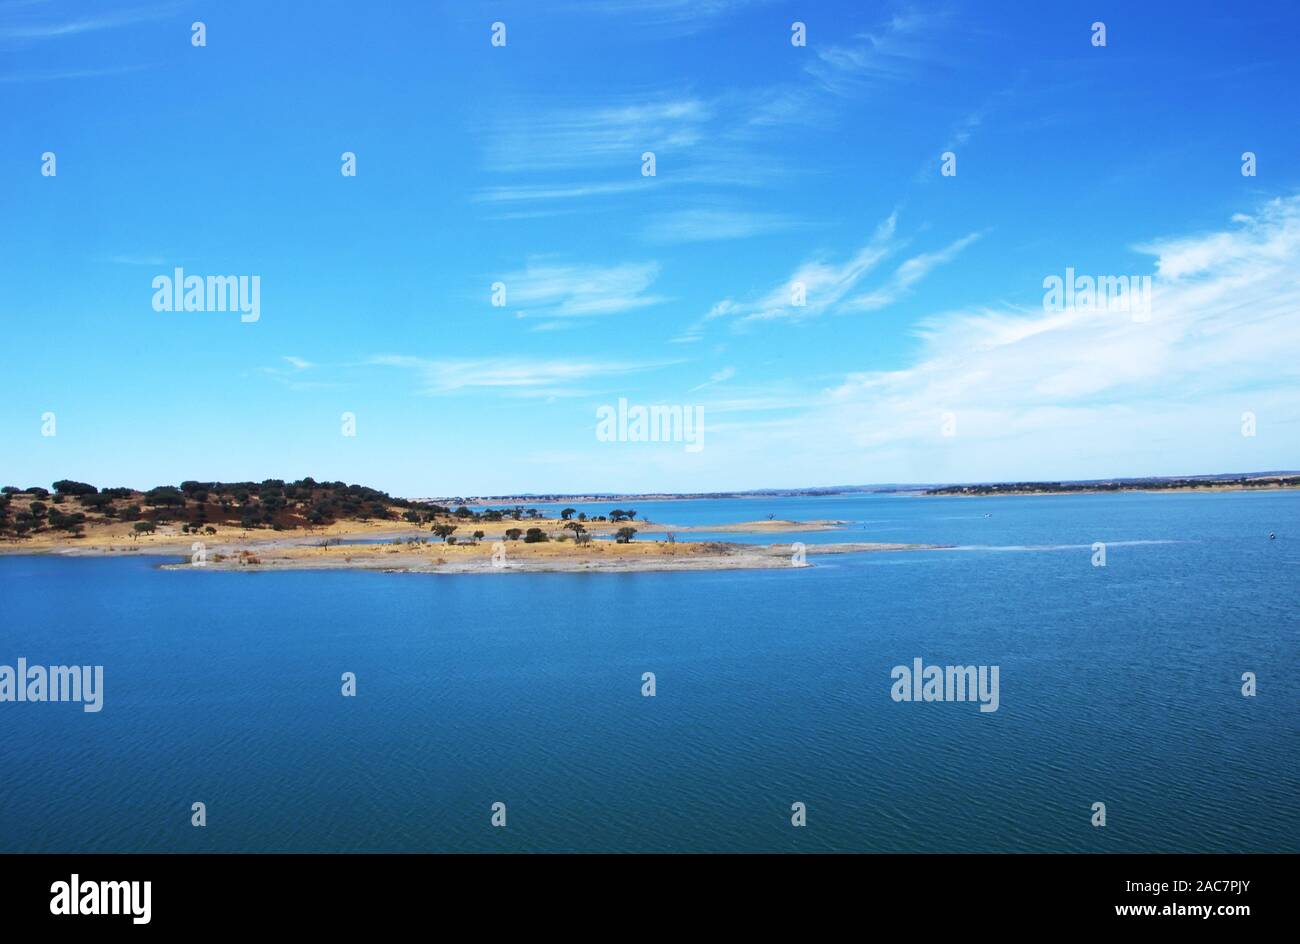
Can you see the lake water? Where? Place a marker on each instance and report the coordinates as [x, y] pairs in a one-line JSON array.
[[1119, 684]]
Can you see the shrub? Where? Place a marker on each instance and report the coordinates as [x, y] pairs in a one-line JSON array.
[[66, 522]]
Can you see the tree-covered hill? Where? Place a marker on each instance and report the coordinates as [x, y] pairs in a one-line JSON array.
[[70, 506]]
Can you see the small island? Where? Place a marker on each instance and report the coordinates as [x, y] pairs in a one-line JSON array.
[[310, 525]]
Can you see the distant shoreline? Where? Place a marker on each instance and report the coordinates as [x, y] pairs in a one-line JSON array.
[[1043, 488], [1248, 481]]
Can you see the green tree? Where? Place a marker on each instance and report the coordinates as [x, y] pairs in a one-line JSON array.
[[69, 487], [164, 495]]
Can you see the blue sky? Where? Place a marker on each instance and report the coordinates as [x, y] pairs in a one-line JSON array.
[[522, 164]]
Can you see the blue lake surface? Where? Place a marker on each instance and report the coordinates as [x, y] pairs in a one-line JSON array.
[[1119, 684]]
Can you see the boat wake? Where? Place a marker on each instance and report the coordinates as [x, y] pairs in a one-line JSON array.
[[1053, 547]]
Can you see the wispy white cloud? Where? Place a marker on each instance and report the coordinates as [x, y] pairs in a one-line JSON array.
[[508, 376], [892, 53], [679, 17], [534, 192], [580, 152], [57, 75], [907, 275], [813, 289], [298, 374], [553, 290], [21, 24], [965, 128], [539, 138], [713, 224], [820, 287], [717, 377]]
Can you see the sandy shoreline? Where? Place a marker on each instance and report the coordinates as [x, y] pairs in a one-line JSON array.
[[117, 538], [397, 549], [536, 558]]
